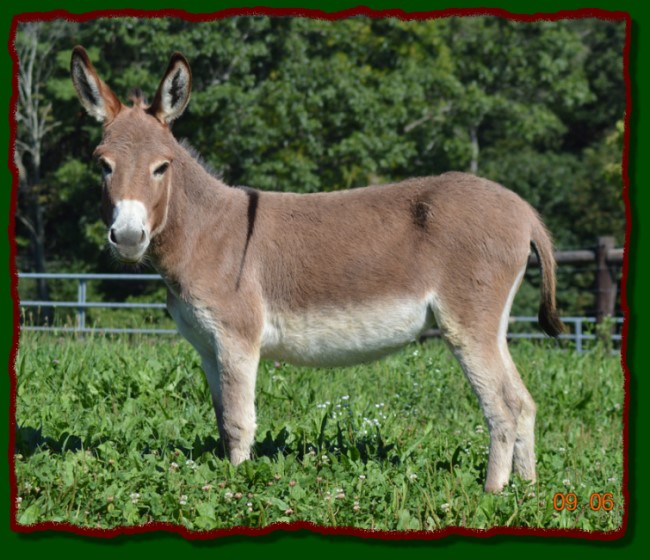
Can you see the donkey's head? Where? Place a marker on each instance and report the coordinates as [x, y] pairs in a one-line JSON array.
[[136, 154]]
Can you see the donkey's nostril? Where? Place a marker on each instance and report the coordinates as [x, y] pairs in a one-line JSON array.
[[111, 236], [143, 237]]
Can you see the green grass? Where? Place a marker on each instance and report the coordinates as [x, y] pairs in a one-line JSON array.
[[114, 432]]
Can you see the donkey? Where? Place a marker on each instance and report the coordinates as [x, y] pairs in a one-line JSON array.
[[320, 279]]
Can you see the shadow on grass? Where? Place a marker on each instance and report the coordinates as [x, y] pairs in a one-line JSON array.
[[367, 448], [29, 440]]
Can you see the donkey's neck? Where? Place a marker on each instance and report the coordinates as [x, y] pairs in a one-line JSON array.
[[197, 200]]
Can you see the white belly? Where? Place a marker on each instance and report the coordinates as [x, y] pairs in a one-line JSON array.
[[338, 336]]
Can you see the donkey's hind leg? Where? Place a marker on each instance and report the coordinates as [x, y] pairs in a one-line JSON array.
[[524, 451], [501, 405], [475, 328]]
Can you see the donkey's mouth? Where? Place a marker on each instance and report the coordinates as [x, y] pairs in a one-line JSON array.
[[129, 254], [128, 259]]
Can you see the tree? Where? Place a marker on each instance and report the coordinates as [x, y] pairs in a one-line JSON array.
[[35, 133]]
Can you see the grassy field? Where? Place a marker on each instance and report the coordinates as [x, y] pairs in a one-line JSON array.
[[114, 432]]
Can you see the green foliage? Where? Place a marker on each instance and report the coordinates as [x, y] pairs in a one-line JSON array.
[[113, 433], [306, 105]]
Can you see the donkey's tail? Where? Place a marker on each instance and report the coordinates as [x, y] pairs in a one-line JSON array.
[[549, 319]]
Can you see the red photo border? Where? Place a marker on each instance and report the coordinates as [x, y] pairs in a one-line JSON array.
[[299, 525]]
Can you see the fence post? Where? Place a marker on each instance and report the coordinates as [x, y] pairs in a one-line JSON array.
[[578, 334], [81, 298], [605, 285]]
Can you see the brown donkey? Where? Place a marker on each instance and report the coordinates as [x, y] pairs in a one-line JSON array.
[[320, 279]]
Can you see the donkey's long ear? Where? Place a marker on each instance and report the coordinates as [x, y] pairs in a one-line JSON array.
[[96, 97], [174, 90]]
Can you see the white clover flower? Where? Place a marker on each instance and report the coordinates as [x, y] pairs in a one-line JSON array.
[[173, 466], [445, 507], [362, 477], [182, 500], [135, 496]]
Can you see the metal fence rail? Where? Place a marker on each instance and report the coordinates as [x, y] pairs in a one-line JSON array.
[[81, 304], [580, 333]]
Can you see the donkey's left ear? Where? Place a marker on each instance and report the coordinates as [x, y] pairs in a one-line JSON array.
[[174, 90]]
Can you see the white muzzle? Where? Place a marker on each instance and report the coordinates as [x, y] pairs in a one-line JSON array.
[[129, 233]]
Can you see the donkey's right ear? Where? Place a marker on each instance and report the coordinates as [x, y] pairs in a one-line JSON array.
[[96, 97]]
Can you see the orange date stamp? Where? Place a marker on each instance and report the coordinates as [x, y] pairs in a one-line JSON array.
[[597, 501]]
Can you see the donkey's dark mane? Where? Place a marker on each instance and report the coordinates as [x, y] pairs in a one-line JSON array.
[[137, 97]]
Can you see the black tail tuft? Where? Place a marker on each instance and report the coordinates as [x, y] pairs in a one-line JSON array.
[[550, 322]]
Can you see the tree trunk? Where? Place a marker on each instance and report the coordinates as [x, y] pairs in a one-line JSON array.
[[36, 211], [473, 134]]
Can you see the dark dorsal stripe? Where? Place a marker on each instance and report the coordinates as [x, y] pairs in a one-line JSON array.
[[253, 200]]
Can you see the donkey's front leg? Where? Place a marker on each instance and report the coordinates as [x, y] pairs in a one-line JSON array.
[[231, 376]]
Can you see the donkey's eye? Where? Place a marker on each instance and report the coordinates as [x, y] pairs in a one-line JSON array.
[[160, 170], [106, 168]]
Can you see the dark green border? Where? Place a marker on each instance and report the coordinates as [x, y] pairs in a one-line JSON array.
[[302, 543]]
